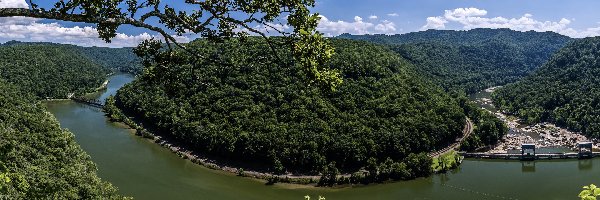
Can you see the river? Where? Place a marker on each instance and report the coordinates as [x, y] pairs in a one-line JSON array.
[[144, 170]]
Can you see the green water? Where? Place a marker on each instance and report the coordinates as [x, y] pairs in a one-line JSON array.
[[144, 170]]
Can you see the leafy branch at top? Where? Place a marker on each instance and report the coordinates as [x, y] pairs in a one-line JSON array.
[[214, 20]]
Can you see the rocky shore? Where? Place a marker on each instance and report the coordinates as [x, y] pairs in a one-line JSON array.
[[543, 135]]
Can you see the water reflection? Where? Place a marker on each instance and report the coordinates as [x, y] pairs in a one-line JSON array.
[[528, 166], [585, 164]]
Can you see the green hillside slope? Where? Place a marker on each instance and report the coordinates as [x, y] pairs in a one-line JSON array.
[[473, 60], [566, 90], [257, 111]]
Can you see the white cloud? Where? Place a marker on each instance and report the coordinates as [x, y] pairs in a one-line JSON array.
[[435, 23], [471, 18], [373, 17], [358, 26], [357, 19], [393, 15], [462, 13], [386, 27], [13, 4], [32, 30]]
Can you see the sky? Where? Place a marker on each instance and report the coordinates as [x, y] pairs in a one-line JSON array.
[[571, 18]]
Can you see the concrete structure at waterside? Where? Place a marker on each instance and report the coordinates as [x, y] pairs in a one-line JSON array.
[[585, 149], [528, 153]]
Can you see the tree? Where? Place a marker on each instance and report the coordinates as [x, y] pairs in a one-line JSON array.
[[215, 20], [589, 192]]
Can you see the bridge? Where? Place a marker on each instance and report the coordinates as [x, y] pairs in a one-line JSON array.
[[90, 102]]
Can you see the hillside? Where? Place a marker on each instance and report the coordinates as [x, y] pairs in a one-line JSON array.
[[49, 71], [566, 90], [256, 111], [41, 160], [115, 59], [472, 60]]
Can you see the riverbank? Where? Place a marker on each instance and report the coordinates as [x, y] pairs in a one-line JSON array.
[[385, 173], [544, 135], [117, 115]]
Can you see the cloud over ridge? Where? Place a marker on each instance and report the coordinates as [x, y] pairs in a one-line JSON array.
[[470, 18]]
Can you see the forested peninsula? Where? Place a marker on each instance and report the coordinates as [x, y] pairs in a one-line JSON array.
[[384, 118]]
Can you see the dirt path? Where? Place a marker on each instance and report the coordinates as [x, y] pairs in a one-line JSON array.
[[467, 131]]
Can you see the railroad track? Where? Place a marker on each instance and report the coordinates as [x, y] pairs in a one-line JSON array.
[[467, 131]]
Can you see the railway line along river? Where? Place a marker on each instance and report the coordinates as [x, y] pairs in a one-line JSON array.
[[144, 170]]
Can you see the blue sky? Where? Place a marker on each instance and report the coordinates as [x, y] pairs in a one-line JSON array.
[[572, 18]]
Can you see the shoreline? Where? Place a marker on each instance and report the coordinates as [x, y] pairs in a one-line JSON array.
[[231, 167], [296, 180], [544, 135]]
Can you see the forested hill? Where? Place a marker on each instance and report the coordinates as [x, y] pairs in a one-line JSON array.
[[116, 59], [566, 90], [475, 59], [255, 111], [41, 160], [49, 71]]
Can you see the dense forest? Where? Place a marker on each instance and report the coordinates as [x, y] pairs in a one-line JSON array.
[[38, 159], [472, 60], [258, 109], [49, 71], [114, 59], [488, 129], [565, 91], [41, 160]]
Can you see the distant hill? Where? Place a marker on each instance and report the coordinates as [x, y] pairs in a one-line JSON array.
[[475, 59], [49, 71], [116, 59], [566, 90]]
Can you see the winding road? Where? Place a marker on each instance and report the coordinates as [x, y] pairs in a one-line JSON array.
[[467, 131]]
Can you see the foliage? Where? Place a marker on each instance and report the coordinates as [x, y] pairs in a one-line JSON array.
[[473, 60], [114, 59], [215, 20], [49, 71], [589, 192], [565, 91], [251, 109], [40, 159], [445, 161], [308, 197], [488, 129]]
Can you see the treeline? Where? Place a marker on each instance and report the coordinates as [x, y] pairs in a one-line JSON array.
[[49, 71], [114, 59], [565, 91], [258, 109], [38, 159], [472, 60], [488, 129]]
